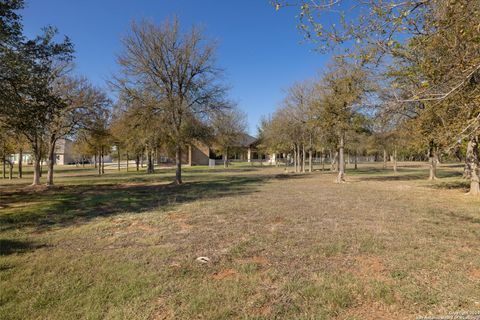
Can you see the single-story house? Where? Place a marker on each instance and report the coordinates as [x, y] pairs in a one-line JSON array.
[[63, 154], [244, 150]]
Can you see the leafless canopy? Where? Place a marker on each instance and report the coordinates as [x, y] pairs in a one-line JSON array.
[[174, 73], [177, 70]]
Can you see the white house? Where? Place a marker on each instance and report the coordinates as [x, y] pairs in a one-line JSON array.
[[63, 154]]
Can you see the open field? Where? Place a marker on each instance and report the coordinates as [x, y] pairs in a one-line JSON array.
[[281, 246]]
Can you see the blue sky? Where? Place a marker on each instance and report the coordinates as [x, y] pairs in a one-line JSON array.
[[259, 48]]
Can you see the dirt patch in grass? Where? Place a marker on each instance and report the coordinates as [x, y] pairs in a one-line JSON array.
[[370, 267], [138, 225], [180, 220], [258, 259], [175, 216], [226, 273], [474, 274], [374, 310]]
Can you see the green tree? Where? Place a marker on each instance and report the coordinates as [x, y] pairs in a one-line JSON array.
[[29, 69], [437, 76], [7, 147], [343, 89], [11, 24]]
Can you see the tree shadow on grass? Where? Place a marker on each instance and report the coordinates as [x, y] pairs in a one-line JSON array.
[[457, 184], [293, 175], [392, 177], [8, 246], [67, 205], [410, 170], [230, 169], [408, 175]]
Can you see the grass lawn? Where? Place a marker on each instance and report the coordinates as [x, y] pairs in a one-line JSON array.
[[281, 246]]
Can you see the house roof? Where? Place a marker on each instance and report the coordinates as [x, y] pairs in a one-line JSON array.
[[246, 140]]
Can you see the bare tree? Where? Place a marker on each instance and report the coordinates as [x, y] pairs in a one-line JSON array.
[[228, 126], [82, 103], [179, 74], [139, 128]]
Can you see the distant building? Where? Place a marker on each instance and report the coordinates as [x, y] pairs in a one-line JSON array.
[[244, 150], [198, 154], [63, 154]]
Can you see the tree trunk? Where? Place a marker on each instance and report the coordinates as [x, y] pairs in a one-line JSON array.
[[118, 155], [355, 160], [473, 157], [20, 163], [51, 161], [178, 163], [341, 161], [295, 158], [155, 158], [475, 182], [467, 170], [395, 159], [95, 161], [225, 158], [4, 160], [36, 170], [99, 163], [103, 161], [432, 163], [323, 160], [10, 171], [137, 162], [330, 158], [338, 161], [433, 168], [299, 159], [4, 168], [127, 161], [150, 166], [469, 159], [384, 158], [310, 159], [334, 161], [303, 158]]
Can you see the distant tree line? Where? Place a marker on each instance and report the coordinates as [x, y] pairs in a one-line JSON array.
[[404, 82], [170, 94], [406, 75], [41, 101]]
